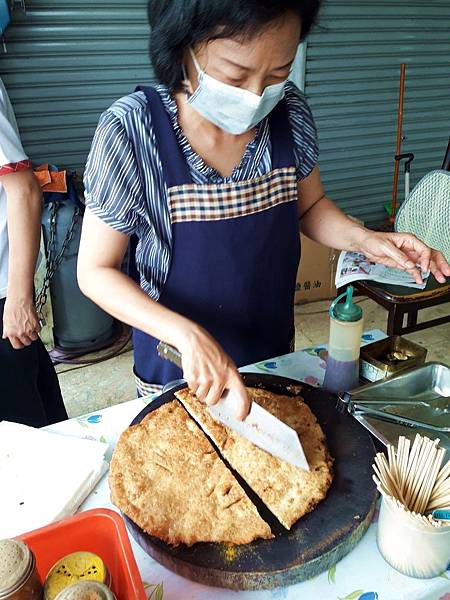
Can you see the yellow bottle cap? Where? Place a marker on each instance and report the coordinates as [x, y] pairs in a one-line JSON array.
[[79, 566]]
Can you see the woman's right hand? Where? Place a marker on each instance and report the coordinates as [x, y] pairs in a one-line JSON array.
[[209, 371]]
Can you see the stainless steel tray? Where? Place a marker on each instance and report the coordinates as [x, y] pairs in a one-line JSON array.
[[417, 400]]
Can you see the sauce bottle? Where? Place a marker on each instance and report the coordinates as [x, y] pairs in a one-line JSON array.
[[346, 325]]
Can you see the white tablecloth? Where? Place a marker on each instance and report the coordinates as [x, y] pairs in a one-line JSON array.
[[361, 575]]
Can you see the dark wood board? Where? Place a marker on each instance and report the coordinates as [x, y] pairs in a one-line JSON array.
[[315, 542]]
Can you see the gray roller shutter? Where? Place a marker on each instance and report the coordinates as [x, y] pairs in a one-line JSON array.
[[66, 62], [352, 72]]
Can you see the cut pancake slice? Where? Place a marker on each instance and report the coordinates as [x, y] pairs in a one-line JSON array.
[[289, 492], [166, 476]]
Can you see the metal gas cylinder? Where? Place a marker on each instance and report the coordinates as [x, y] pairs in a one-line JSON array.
[[78, 322]]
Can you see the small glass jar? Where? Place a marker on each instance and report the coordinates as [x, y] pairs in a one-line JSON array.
[[18, 576], [86, 590]]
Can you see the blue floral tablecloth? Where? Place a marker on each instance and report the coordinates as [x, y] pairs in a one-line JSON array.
[[361, 575]]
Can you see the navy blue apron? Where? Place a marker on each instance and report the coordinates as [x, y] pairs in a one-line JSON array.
[[235, 253]]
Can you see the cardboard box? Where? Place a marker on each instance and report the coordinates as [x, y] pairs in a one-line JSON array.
[[315, 277]]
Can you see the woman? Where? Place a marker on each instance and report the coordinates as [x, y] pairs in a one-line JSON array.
[[212, 171]]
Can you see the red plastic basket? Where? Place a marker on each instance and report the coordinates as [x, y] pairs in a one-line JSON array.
[[99, 530]]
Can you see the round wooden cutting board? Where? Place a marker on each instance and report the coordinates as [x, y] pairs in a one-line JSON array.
[[315, 542]]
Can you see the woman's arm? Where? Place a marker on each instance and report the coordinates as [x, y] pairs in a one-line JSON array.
[[23, 200], [322, 221], [206, 367]]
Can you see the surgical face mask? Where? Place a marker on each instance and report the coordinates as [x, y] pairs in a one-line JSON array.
[[233, 109]]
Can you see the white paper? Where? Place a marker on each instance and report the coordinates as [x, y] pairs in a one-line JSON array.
[[44, 476], [354, 266]]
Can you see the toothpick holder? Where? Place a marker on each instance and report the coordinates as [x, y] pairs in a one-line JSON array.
[[409, 546]]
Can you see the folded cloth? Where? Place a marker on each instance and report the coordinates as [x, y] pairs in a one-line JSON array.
[[43, 177], [51, 181], [44, 476], [58, 182]]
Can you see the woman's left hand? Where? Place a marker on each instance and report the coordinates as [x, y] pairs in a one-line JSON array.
[[20, 322], [404, 251]]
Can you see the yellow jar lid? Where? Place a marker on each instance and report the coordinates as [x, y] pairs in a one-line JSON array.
[[79, 566]]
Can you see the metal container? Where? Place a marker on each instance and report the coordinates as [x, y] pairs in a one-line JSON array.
[[86, 590], [18, 577], [415, 401], [390, 356]]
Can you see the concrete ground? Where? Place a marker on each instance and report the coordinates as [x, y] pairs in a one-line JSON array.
[[93, 387]]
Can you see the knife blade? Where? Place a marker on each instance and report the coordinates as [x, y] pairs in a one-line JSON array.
[[260, 427]]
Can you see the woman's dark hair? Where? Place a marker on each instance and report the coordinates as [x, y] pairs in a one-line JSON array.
[[178, 24]]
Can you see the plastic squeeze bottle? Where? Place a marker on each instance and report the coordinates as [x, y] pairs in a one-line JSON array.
[[346, 325]]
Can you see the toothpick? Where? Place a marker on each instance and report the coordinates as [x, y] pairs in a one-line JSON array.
[[442, 502], [387, 476], [413, 461], [443, 473], [428, 488], [405, 446], [413, 478], [425, 460], [411, 466]]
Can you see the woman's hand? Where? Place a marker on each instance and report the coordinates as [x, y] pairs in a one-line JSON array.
[[403, 251], [209, 371], [20, 322], [324, 222]]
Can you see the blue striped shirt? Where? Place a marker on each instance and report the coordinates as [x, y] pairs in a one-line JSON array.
[[124, 180]]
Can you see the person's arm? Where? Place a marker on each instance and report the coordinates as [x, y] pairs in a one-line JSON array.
[[322, 221], [206, 367], [23, 198]]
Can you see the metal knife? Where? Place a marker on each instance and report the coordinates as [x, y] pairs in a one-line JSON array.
[[260, 427]]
